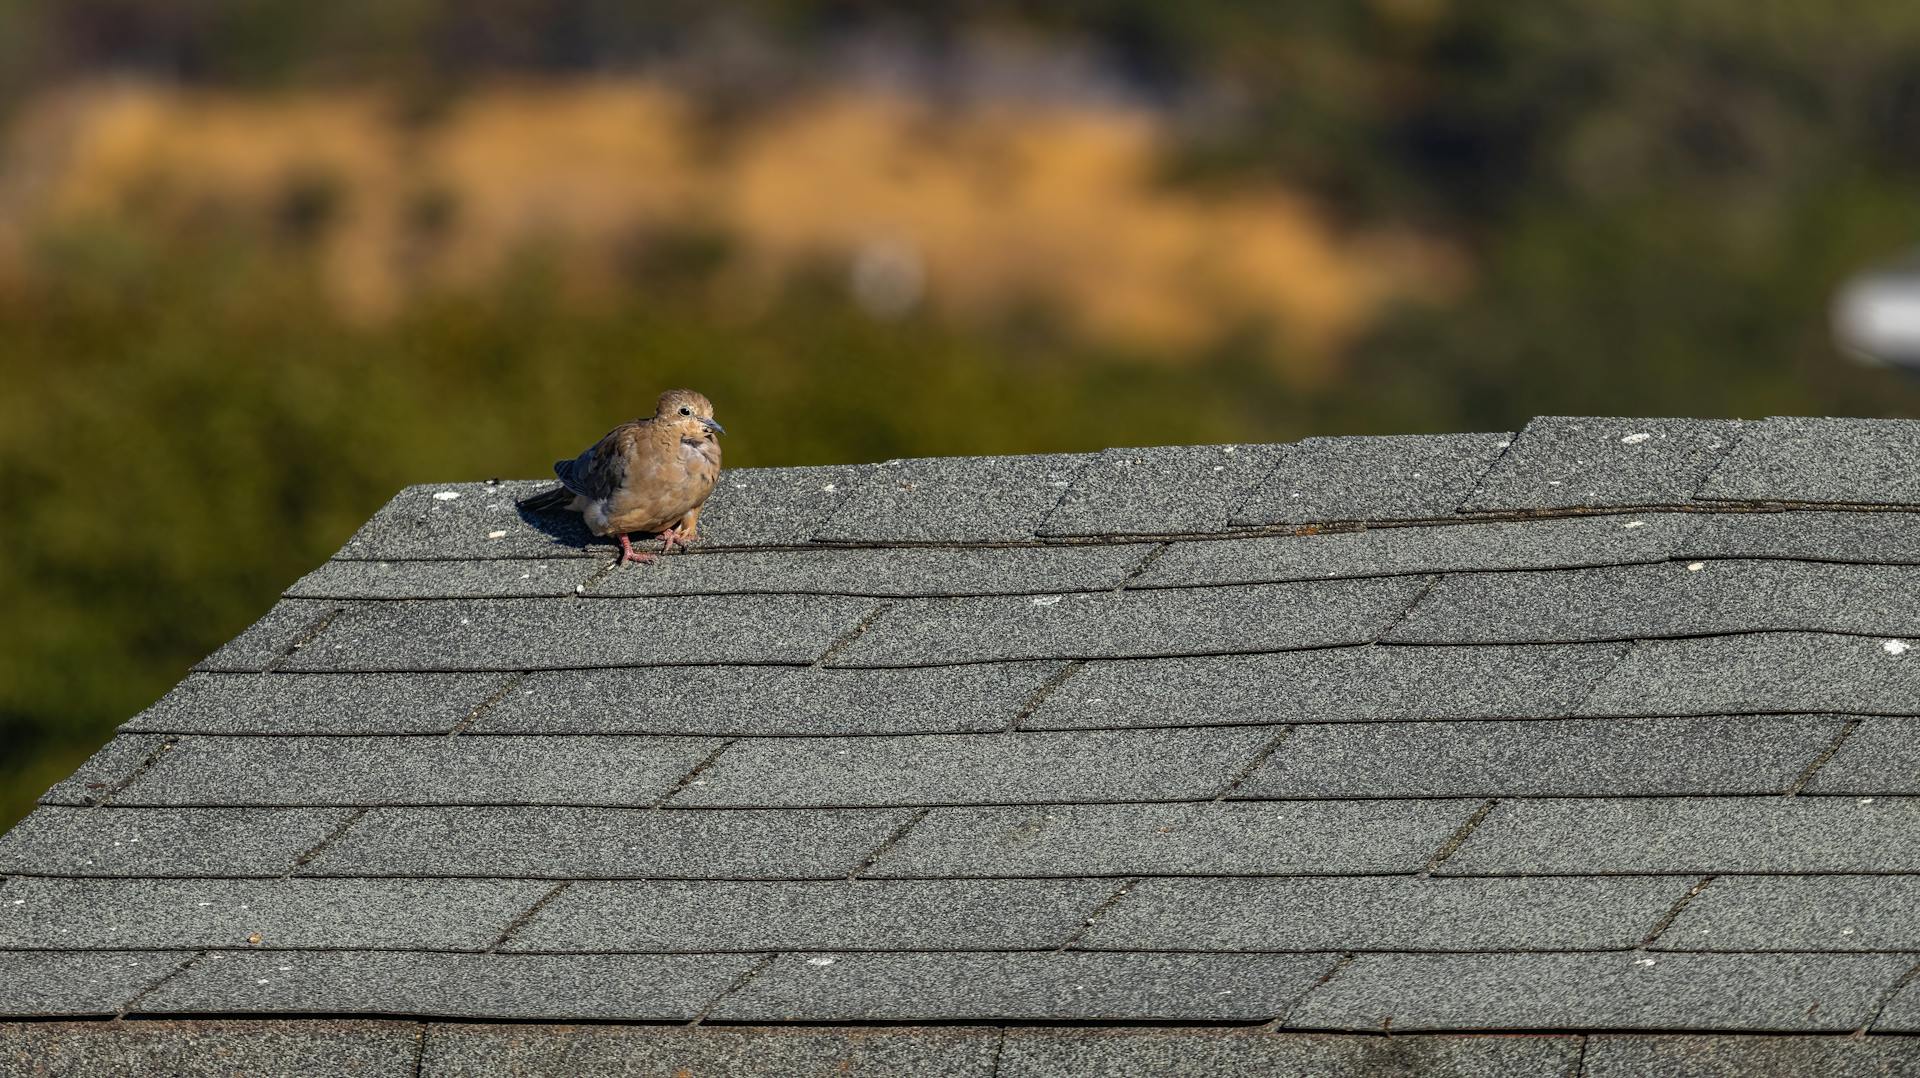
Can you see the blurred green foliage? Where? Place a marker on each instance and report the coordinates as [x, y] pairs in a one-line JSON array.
[[1657, 198]]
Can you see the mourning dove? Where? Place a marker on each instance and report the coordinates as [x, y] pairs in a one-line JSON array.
[[646, 475]]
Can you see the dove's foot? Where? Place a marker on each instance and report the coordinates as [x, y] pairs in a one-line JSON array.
[[672, 537], [627, 553]]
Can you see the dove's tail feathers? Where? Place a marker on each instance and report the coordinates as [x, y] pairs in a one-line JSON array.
[[548, 500]]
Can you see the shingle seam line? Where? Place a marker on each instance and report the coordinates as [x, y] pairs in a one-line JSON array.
[[106, 796], [1460, 836], [1730, 634], [1093, 916], [1252, 766], [177, 971], [1832, 749], [1225, 1026], [847, 638], [1046, 689], [1577, 715], [999, 1050], [312, 852], [1580, 1062], [1153, 555], [1200, 798], [738, 984], [1340, 963], [694, 774], [201, 952], [466, 722], [301, 639], [1353, 873], [419, 1048], [893, 839], [1886, 999], [1673, 914], [527, 915]]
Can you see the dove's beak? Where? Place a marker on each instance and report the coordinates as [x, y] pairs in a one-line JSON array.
[[713, 426]]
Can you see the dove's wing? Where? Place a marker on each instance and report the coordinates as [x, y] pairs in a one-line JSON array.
[[602, 469]]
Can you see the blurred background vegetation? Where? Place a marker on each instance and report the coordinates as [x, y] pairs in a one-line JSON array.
[[262, 262]]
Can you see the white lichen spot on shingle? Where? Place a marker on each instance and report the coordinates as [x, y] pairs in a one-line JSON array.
[[1866, 801], [1896, 647], [445, 495], [1695, 566], [828, 488], [1635, 439], [819, 961], [1046, 600], [1634, 524], [497, 533], [1645, 962]]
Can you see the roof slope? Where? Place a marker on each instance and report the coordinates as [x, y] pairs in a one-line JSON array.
[[1605, 726]]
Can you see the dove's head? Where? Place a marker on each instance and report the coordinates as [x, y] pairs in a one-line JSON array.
[[690, 412]]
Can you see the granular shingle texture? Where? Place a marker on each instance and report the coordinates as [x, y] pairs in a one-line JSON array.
[[1586, 751]]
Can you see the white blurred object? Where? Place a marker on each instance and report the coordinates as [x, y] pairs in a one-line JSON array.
[[887, 278], [1876, 315]]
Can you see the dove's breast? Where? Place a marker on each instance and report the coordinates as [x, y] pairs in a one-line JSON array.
[[664, 493]]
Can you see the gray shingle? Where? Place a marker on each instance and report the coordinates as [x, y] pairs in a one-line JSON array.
[[953, 499], [1384, 913], [1881, 756], [164, 842], [1694, 835], [623, 771], [1416, 477], [268, 641], [1621, 990], [1800, 913], [116, 762], [1576, 462], [280, 703], [1161, 490], [1001, 768], [634, 987], [1196, 621], [1902, 1012], [1226, 838], [209, 1049], [1531, 758], [1516, 544], [526, 634], [1795, 459], [904, 571], [763, 700], [864, 987], [605, 1051], [1191, 1053], [1631, 1056], [775, 506], [273, 914], [877, 915], [1332, 685], [415, 524], [52, 983], [509, 578], [1880, 538], [1759, 673], [573, 842], [1671, 599]]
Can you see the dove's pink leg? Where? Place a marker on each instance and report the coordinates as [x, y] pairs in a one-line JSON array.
[[627, 553], [669, 537]]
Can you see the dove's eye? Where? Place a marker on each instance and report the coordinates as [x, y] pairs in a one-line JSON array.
[[684, 410]]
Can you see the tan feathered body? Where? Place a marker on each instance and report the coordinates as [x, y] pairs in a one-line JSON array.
[[645, 475], [670, 471]]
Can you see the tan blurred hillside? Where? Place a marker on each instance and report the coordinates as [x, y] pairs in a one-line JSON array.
[[979, 213]]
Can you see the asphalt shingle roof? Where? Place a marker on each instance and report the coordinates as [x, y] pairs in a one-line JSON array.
[[1354, 756]]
